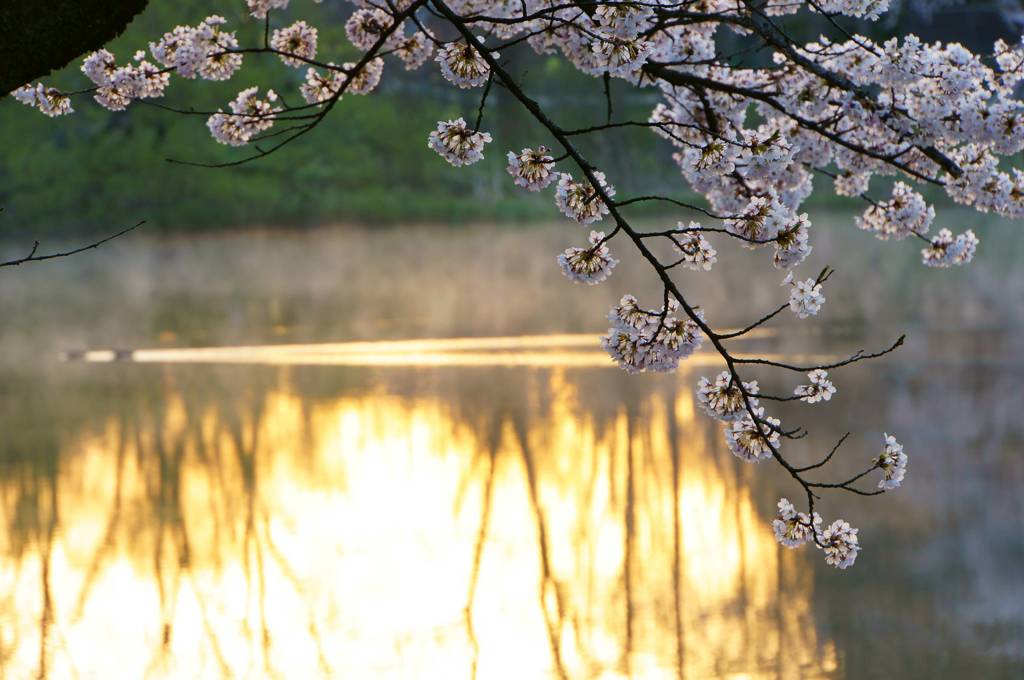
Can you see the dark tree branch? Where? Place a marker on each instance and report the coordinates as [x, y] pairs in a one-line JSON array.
[[32, 257]]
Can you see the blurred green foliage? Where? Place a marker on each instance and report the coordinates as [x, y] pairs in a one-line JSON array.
[[368, 161]]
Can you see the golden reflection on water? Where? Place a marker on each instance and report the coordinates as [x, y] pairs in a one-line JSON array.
[[375, 535]]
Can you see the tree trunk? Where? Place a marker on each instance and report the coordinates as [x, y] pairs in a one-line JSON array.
[[40, 36]]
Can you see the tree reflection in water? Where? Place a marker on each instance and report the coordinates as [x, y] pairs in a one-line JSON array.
[[283, 523], [178, 521]]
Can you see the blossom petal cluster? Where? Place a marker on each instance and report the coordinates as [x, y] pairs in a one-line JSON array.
[[838, 540], [752, 437], [206, 50], [904, 214], [722, 397], [588, 265], [259, 9], [697, 253], [250, 115], [793, 529], [462, 65], [48, 100], [456, 143], [321, 87], [622, 56], [414, 51], [650, 340], [946, 250], [368, 26], [840, 543], [296, 43], [362, 79], [579, 200], [805, 297], [860, 9], [117, 86], [819, 389], [532, 169], [892, 461]]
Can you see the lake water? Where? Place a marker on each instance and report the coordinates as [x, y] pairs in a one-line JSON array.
[[494, 500]]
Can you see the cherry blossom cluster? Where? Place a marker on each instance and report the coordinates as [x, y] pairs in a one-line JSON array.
[[462, 65], [531, 169], [819, 389], [862, 9], [946, 250], [117, 86], [456, 143], [754, 436], [50, 101], [905, 214], [206, 50], [250, 115], [793, 528], [368, 25], [838, 541], [892, 462], [580, 201], [650, 340], [588, 265], [723, 399], [696, 251], [768, 221], [363, 79], [805, 298], [321, 87], [296, 43]]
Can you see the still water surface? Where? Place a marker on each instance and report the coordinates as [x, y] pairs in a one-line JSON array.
[[508, 508]]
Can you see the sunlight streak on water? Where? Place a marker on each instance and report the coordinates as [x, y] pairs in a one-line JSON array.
[[527, 350]]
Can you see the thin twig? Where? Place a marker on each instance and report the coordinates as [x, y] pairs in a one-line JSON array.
[[32, 257]]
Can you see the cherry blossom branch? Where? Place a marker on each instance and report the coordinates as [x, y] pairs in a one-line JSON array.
[[824, 461], [329, 104], [817, 107], [621, 224], [857, 356], [824, 276]]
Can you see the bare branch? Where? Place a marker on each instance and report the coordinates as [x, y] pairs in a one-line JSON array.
[[33, 257]]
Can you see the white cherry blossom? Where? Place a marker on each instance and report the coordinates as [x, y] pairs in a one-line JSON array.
[[588, 265], [462, 65], [819, 389], [793, 529], [946, 250], [579, 201], [805, 298], [722, 398], [752, 441], [532, 169], [299, 40], [458, 144], [697, 253], [892, 461], [840, 543]]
